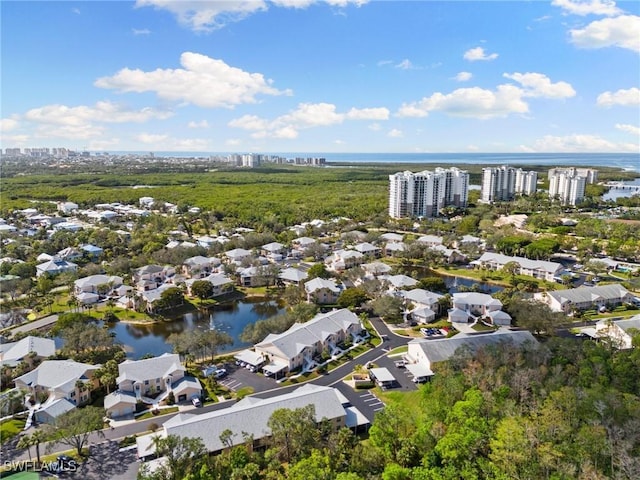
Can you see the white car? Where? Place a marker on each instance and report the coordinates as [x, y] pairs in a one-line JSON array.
[[196, 401]]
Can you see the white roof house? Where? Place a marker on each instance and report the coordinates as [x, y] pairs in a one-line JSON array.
[[476, 305], [431, 240], [428, 352], [535, 268], [585, 298], [237, 254], [90, 284], [321, 290], [296, 346], [150, 368], [293, 275], [55, 267], [620, 332], [367, 248], [392, 237], [11, 354], [399, 282], [248, 418]]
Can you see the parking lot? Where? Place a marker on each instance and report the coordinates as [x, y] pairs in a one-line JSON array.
[[239, 377], [402, 375]]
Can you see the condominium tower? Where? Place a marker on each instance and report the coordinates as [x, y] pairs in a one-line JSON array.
[[425, 194], [568, 184], [501, 184]]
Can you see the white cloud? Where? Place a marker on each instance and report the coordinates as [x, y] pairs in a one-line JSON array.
[[209, 15], [578, 143], [141, 31], [15, 140], [204, 81], [82, 115], [625, 98], [233, 142], [405, 65], [470, 102], [168, 143], [201, 124], [375, 127], [539, 85], [306, 115], [588, 7], [380, 113], [463, 76], [478, 53], [69, 132], [7, 124], [339, 142], [395, 133], [619, 31], [382, 63], [103, 144], [632, 129]]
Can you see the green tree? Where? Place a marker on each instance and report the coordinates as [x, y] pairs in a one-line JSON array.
[[202, 289], [184, 457], [433, 284], [352, 297], [390, 430], [74, 427], [388, 308], [316, 466], [294, 432], [317, 270]]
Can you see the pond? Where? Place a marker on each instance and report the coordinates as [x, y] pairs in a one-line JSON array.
[[454, 284], [230, 318], [625, 189]]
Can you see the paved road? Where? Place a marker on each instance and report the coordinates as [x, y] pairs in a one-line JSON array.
[[36, 324], [363, 400]]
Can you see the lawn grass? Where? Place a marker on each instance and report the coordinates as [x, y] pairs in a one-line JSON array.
[[10, 428], [411, 399], [162, 411]]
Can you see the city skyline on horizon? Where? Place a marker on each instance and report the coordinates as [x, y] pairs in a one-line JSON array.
[[220, 77]]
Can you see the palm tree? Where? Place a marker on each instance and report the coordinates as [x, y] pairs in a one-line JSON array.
[[25, 442], [38, 437]]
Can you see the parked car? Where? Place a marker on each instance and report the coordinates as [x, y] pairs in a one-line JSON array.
[[196, 401], [220, 373], [400, 363]]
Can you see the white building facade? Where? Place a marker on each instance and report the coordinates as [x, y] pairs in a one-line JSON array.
[[568, 184]]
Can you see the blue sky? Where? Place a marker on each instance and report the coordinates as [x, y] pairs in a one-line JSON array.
[[322, 76]]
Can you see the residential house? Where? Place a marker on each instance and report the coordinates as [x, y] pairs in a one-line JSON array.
[[323, 291], [540, 269], [585, 298], [199, 266], [29, 349], [151, 277], [431, 240], [393, 249], [473, 305], [221, 284], [423, 353], [91, 251], [292, 276], [58, 386], [274, 251], [237, 255], [619, 332], [399, 282], [341, 260], [248, 419], [367, 249], [55, 267], [299, 345], [375, 269], [425, 305], [302, 243], [450, 255], [99, 284], [67, 207], [392, 237], [150, 381]]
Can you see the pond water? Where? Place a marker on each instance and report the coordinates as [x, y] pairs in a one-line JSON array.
[[454, 284], [231, 318]]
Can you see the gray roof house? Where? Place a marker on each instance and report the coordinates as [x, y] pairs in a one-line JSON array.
[[534, 268], [297, 346], [619, 332], [292, 276], [249, 418], [585, 298], [428, 352], [90, 284], [474, 304], [11, 354], [321, 290]]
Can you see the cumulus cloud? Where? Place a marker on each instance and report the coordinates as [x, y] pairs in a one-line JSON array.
[[102, 112], [375, 127], [539, 85], [478, 53], [203, 81], [625, 98], [632, 129], [482, 103], [69, 132], [395, 133], [209, 15], [578, 143], [588, 7], [201, 124], [306, 115], [463, 76], [621, 31], [7, 124]]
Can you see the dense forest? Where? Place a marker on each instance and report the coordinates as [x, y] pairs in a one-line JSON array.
[[564, 409]]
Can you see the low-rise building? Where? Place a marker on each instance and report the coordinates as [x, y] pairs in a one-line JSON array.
[[321, 290], [29, 349], [540, 269], [585, 298], [476, 306]]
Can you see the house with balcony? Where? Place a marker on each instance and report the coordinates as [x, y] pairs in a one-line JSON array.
[[200, 266], [150, 381], [273, 251], [398, 282], [292, 276], [221, 284], [237, 255], [57, 386], [150, 277], [342, 260], [322, 291], [298, 347], [475, 306], [585, 298], [55, 267], [540, 269], [424, 305], [98, 284], [29, 349], [367, 249]]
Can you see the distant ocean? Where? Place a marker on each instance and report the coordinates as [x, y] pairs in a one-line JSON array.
[[626, 161]]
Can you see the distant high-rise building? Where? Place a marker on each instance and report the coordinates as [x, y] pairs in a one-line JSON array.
[[425, 194], [526, 182], [251, 160], [568, 184], [498, 184]]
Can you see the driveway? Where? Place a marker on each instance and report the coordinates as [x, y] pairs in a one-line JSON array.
[[107, 461], [239, 377]]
